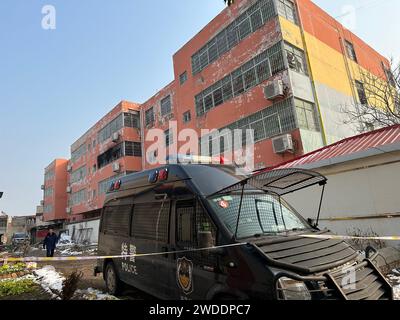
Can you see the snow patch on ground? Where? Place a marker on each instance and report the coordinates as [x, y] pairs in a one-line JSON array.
[[50, 280], [394, 279], [93, 294]]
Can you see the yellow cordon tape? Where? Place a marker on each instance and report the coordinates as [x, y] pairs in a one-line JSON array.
[[46, 259], [314, 236]]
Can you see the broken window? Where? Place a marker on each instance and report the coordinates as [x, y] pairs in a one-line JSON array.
[[132, 120], [109, 156], [296, 59], [361, 93]]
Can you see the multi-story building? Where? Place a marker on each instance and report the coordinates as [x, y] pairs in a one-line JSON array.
[[54, 190], [112, 147], [283, 68], [274, 66]]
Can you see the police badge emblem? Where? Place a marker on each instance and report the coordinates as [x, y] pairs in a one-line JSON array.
[[184, 274]]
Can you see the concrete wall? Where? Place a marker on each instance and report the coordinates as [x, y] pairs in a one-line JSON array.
[[84, 231], [361, 194]]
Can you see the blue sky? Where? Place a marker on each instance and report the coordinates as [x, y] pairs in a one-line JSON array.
[[55, 84]]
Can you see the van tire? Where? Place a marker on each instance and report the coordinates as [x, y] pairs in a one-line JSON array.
[[113, 283]]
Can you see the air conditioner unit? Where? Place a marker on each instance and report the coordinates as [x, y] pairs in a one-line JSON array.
[[115, 137], [69, 168], [68, 210], [283, 144], [42, 187], [42, 202], [116, 167], [274, 90], [69, 189]]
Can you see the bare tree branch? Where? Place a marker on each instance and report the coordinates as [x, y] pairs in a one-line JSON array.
[[382, 94]]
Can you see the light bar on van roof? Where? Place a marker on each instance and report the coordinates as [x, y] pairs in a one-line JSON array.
[[183, 158], [158, 175], [115, 185]]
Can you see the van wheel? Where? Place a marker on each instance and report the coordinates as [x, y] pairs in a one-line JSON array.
[[113, 283]]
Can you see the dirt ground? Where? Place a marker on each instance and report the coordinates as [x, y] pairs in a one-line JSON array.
[[88, 280]]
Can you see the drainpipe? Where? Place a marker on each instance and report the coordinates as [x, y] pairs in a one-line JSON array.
[[303, 37]]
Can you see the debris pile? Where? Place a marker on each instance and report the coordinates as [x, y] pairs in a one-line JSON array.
[[93, 294]]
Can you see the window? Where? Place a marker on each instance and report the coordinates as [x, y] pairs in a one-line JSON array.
[[260, 214], [112, 127], [361, 93], [49, 175], [105, 184], [169, 139], [306, 115], [151, 221], [149, 116], [166, 106], [241, 80], [78, 197], [110, 156], [296, 59], [187, 117], [79, 152], [79, 174], [185, 215], [250, 21], [133, 149], [287, 9], [271, 121], [183, 78], [48, 208], [132, 120], [48, 192], [389, 75], [350, 51], [116, 219]]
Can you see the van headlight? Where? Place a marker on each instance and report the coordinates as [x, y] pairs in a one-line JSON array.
[[289, 289]]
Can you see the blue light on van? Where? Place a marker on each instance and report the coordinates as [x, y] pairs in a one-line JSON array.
[[153, 177]]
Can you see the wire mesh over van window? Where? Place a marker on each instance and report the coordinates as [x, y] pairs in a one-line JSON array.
[[116, 220], [260, 214], [192, 221], [151, 220]]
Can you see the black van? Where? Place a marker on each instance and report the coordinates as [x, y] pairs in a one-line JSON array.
[[213, 233]]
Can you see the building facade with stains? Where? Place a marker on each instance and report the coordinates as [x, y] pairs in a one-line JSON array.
[[282, 68]]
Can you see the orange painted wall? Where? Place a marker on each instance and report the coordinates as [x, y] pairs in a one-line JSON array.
[[320, 24], [92, 179], [59, 184]]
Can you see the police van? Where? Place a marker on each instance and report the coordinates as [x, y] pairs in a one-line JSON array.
[[209, 231]]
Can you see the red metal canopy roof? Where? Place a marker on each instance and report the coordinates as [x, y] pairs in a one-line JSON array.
[[346, 147]]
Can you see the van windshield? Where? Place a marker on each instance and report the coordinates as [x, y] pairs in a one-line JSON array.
[[261, 214]]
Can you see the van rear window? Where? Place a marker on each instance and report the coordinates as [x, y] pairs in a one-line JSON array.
[[116, 219]]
